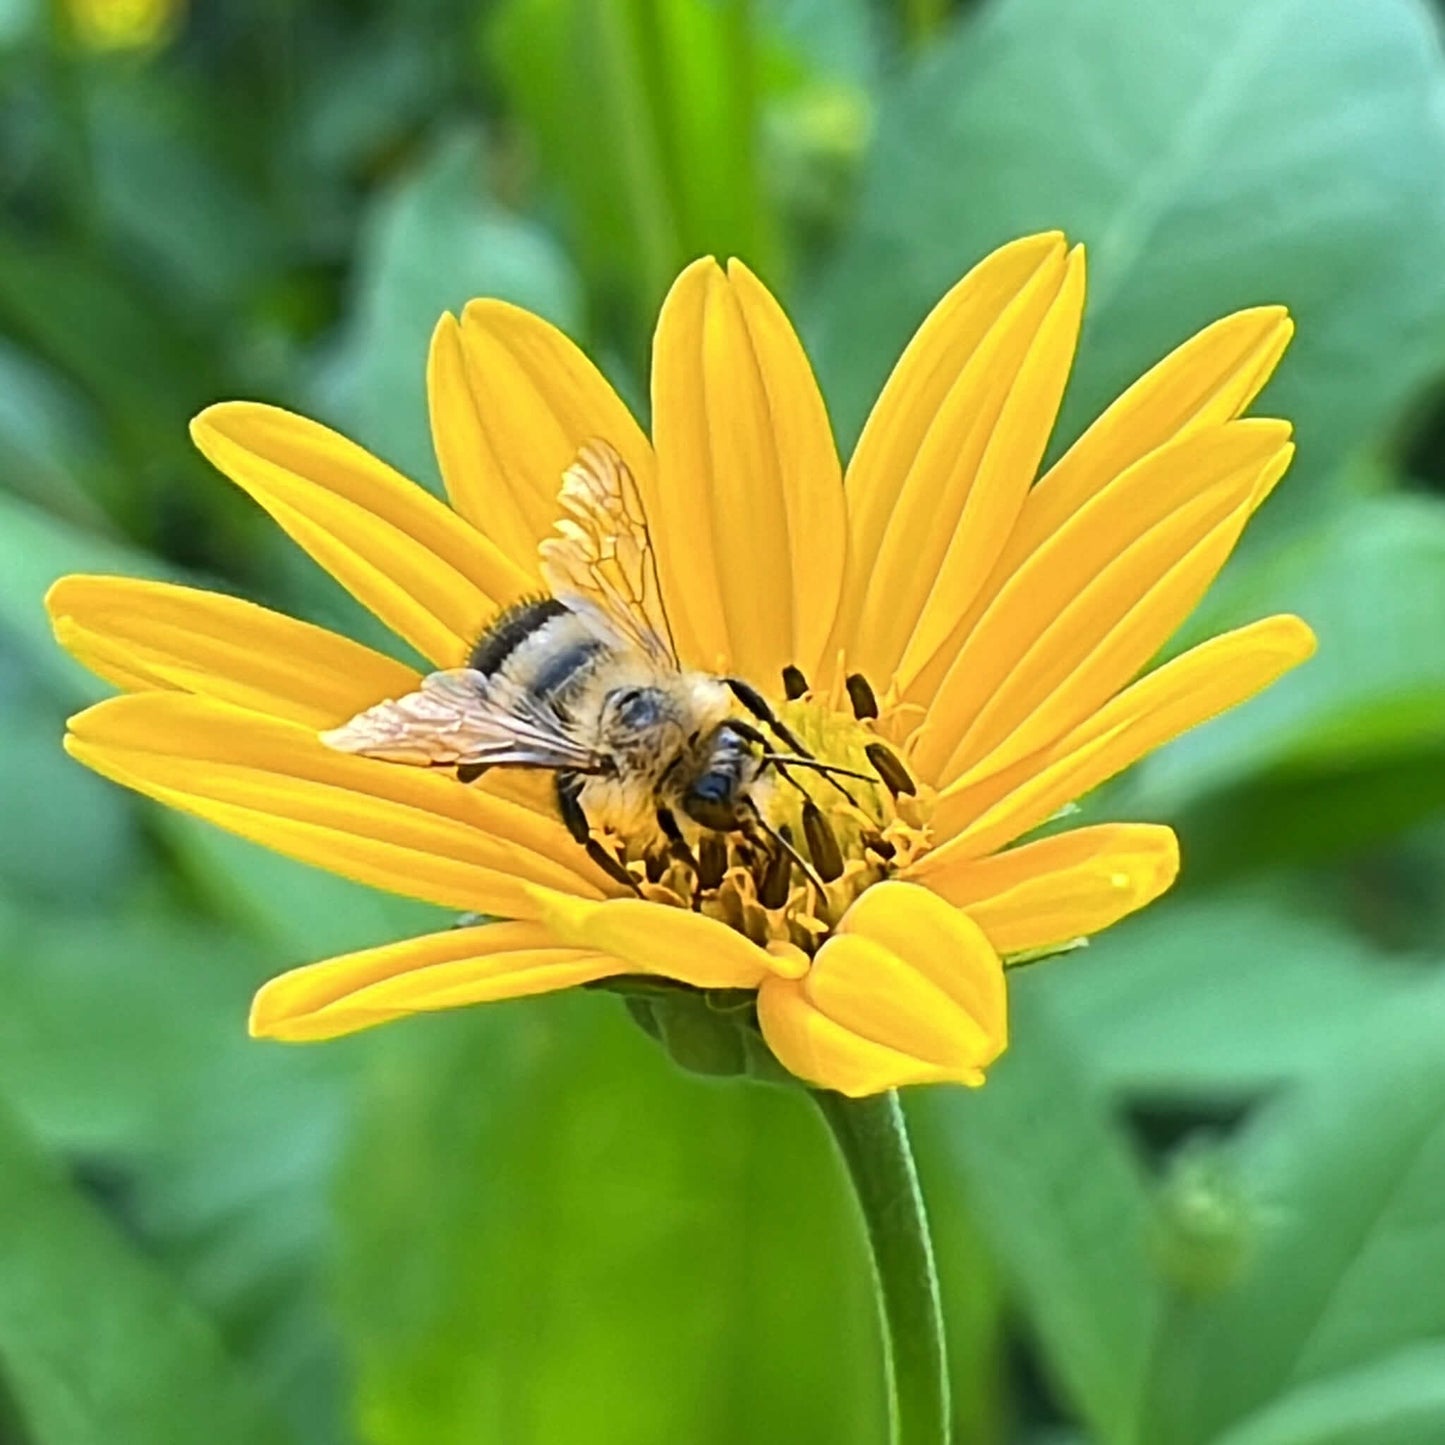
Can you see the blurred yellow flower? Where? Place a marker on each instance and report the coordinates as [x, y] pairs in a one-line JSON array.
[[123, 24], [977, 634]]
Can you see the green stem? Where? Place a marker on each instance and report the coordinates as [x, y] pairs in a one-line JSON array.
[[873, 1140]]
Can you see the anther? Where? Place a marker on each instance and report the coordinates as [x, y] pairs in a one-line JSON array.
[[822, 843], [890, 769], [773, 888], [783, 837], [860, 694], [795, 685]]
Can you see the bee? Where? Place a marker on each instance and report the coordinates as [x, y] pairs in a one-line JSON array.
[[586, 683]]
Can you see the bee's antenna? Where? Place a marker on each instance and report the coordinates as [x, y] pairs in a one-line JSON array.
[[798, 757], [794, 761], [784, 761]]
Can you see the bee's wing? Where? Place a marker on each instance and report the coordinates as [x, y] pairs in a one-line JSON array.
[[601, 563], [462, 716]]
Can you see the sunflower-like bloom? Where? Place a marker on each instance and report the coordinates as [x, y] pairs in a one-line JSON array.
[[983, 637]]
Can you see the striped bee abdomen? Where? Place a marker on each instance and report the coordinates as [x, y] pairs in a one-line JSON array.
[[510, 629]]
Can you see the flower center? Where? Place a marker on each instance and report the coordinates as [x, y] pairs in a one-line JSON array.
[[829, 828]]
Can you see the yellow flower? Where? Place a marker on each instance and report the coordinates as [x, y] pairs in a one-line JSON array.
[[1003, 625]]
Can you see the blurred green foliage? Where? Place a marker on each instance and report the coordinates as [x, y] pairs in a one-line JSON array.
[[1201, 1198]]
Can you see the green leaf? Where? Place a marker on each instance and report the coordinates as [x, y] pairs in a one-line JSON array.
[[364, 93], [656, 153], [163, 187], [1399, 1400], [837, 39], [1053, 1187], [1222, 995], [555, 1236], [96, 1345], [46, 435], [430, 244], [302, 912], [95, 998], [1371, 582], [55, 812], [19, 21], [1289, 818], [1212, 157], [118, 338], [1340, 1190], [123, 1043], [35, 550]]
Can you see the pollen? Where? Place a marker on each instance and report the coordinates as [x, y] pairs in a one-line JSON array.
[[851, 818]]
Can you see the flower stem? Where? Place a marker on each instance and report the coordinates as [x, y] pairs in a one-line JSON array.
[[873, 1139]]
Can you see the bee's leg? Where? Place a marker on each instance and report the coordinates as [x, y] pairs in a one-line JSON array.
[[667, 821], [757, 704], [712, 860], [569, 805]]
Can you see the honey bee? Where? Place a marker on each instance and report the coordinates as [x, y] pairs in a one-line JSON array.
[[586, 682]]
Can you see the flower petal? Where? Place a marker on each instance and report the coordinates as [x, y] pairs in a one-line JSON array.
[[157, 635], [1208, 380], [1057, 889], [1004, 475], [923, 377], [403, 829], [828, 1055], [1197, 685], [113, 661], [430, 576], [750, 509], [907, 991], [659, 939], [1091, 607], [512, 401], [437, 971], [947, 457]]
